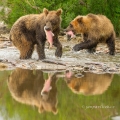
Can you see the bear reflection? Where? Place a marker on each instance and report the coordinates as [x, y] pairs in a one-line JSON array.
[[26, 85], [88, 83]]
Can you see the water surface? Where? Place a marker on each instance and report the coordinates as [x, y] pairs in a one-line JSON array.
[[73, 95]]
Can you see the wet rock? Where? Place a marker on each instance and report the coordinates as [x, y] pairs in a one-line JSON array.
[[3, 66], [100, 62], [79, 75], [86, 69]]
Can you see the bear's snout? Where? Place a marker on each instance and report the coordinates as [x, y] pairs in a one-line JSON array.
[[47, 28]]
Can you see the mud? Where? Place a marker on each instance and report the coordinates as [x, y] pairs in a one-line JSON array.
[[99, 62]]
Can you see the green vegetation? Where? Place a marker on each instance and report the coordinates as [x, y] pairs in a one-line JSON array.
[[71, 8]]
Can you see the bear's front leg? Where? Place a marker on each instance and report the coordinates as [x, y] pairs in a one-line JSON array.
[[56, 43], [77, 47], [85, 45]]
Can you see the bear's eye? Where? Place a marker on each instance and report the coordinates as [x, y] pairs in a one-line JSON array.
[[53, 22], [47, 21], [71, 25]]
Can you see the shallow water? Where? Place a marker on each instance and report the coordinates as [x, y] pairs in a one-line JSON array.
[[74, 95]]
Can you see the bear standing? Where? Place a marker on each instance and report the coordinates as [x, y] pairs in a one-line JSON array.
[[94, 29], [34, 29]]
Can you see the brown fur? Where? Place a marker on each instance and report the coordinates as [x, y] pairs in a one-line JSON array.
[[25, 87], [28, 30], [94, 29], [89, 83]]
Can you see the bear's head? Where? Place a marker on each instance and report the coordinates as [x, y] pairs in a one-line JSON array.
[[79, 25], [53, 19], [52, 24]]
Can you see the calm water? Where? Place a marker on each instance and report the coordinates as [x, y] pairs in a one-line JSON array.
[[45, 95]]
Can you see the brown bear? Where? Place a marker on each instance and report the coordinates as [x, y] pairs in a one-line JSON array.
[[88, 83], [34, 29], [29, 87], [94, 29]]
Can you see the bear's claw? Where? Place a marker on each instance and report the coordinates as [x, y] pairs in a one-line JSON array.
[[77, 48]]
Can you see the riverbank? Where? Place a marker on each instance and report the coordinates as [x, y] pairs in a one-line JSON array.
[[98, 62]]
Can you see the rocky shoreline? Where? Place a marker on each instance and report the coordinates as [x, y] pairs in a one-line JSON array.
[[100, 62]]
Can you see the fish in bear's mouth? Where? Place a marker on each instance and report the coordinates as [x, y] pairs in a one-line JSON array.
[[70, 35], [49, 36]]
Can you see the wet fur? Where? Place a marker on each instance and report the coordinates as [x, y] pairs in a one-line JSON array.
[[94, 29], [28, 30]]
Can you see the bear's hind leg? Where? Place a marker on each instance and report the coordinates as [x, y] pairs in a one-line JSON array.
[[27, 52], [111, 44]]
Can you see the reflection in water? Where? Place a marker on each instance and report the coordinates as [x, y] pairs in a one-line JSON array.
[[38, 88], [26, 85], [88, 83]]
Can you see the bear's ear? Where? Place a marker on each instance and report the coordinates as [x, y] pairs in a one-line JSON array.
[[80, 20], [59, 12], [45, 11]]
